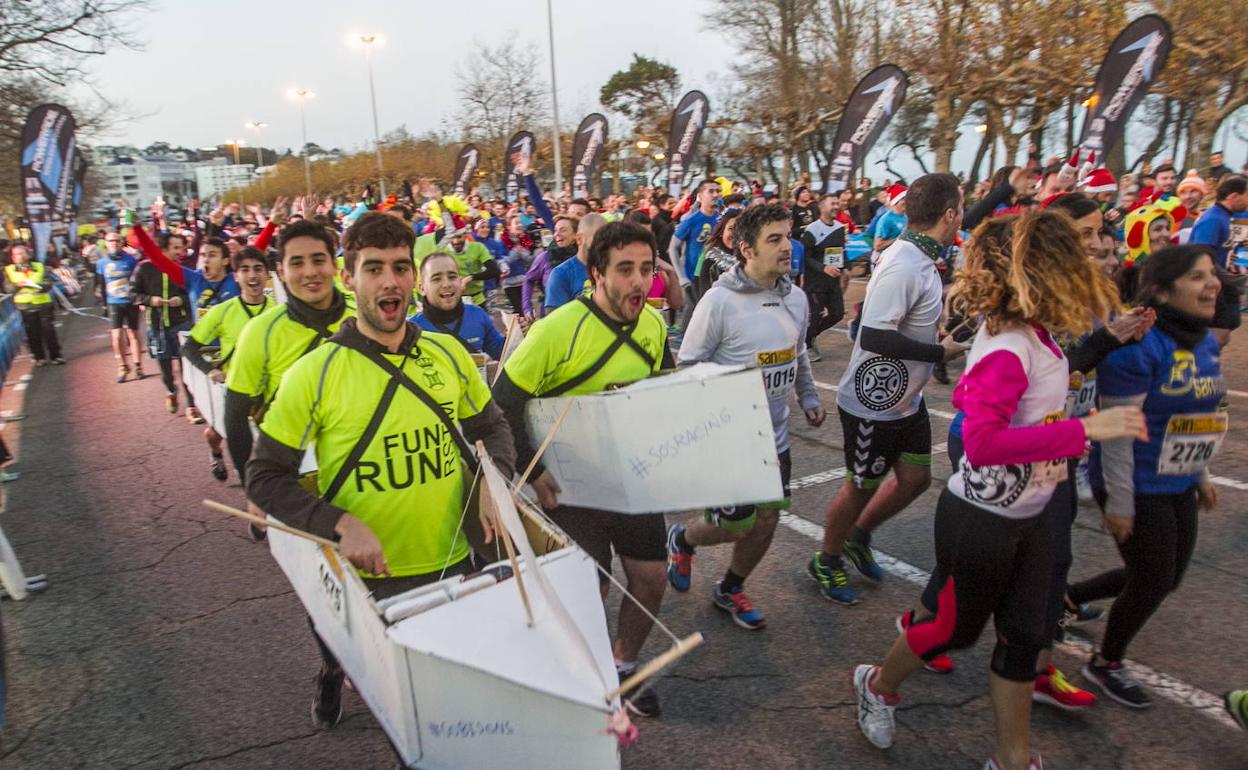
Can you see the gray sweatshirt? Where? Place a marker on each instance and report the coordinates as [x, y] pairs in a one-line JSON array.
[[739, 322]]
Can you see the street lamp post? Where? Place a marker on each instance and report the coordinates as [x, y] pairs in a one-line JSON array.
[[554, 101], [256, 125], [236, 143], [368, 41], [303, 95]]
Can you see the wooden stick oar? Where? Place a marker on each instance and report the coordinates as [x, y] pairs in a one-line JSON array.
[[223, 508], [657, 664], [550, 436], [500, 532], [511, 327]]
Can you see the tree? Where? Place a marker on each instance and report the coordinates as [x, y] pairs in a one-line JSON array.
[[645, 93], [499, 95], [1208, 68], [778, 103], [48, 40]]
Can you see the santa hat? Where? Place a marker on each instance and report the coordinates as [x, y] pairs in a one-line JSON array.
[[1100, 181], [895, 194], [1193, 181]]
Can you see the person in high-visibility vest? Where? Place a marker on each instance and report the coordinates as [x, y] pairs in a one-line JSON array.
[[30, 283]]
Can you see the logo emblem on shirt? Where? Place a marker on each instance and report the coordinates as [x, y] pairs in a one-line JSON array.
[[998, 485], [880, 383]]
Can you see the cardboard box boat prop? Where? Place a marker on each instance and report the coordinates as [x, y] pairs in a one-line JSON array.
[[210, 400], [698, 438], [463, 673]]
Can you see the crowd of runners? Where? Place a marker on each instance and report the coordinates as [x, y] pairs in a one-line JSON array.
[[1089, 311]]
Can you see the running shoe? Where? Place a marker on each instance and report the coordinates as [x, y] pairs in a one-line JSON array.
[[940, 373], [644, 703], [941, 664], [679, 561], [739, 606], [1083, 485], [41, 362], [1115, 682], [1053, 688], [1033, 764], [832, 580], [875, 711], [193, 416], [58, 361], [138, 372], [1237, 706], [327, 705], [813, 353], [864, 561], [122, 372], [259, 534], [7, 476], [171, 403], [1074, 614], [217, 465]]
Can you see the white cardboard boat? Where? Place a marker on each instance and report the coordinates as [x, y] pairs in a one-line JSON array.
[[459, 674]]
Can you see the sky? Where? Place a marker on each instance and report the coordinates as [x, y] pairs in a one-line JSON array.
[[207, 69]]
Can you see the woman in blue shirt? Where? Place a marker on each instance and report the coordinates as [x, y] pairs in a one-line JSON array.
[[1150, 490]]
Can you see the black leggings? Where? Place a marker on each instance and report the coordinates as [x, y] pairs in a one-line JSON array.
[[166, 378], [40, 326], [515, 296], [827, 308], [988, 566], [1156, 556], [1059, 516]]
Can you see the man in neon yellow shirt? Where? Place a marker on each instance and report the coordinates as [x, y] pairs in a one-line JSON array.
[[281, 335], [383, 403], [222, 325], [612, 337]]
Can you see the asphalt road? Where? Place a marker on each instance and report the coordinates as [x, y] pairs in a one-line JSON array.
[[167, 639]]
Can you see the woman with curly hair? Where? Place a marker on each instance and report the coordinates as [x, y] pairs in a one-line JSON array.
[[992, 543]]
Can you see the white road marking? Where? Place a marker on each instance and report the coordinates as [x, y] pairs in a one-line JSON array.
[[1160, 684], [1232, 483], [1239, 393], [831, 475], [933, 412]]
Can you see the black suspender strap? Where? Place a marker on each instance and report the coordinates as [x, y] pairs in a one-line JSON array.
[[361, 445], [623, 337], [397, 379]]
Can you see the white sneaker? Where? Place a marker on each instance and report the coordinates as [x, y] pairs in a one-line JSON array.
[[875, 713], [1083, 487], [1034, 764]]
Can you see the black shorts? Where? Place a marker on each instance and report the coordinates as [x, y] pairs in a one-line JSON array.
[[873, 447], [738, 518], [640, 536], [123, 316]]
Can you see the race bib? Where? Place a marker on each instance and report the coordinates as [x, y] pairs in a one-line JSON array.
[[1081, 396], [834, 256], [1050, 471], [1190, 443], [482, 363], [779, 372]]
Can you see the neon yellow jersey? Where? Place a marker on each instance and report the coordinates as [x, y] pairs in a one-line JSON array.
[[425, 245], [224, 322], [408, 484], [566, 343], [267, 347]]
